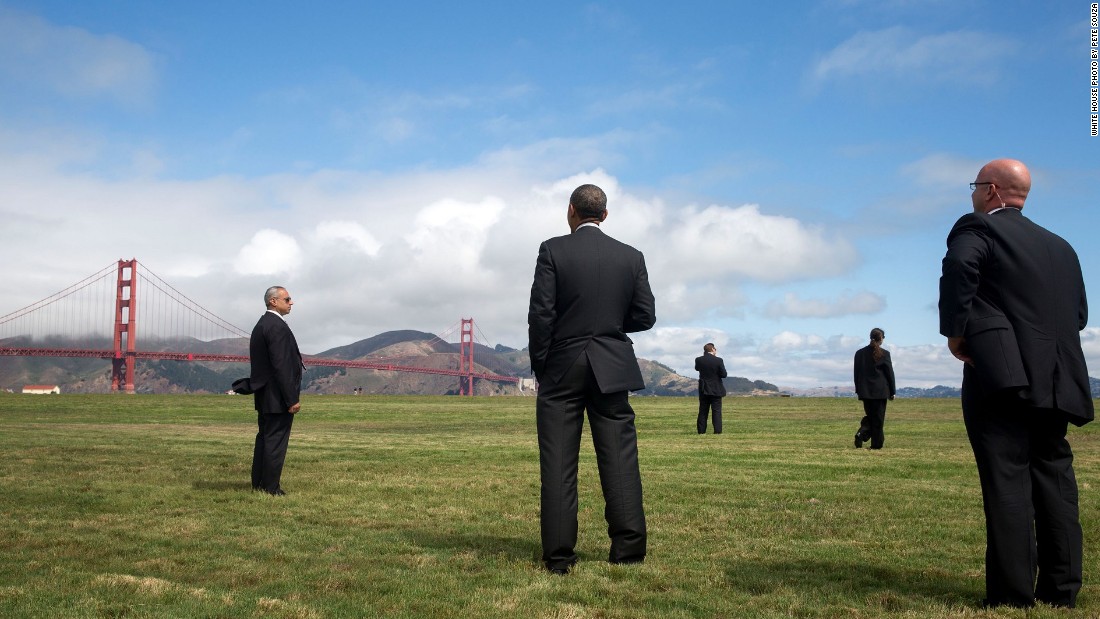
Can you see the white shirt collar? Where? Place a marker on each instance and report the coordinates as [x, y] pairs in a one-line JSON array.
[[588, 223]]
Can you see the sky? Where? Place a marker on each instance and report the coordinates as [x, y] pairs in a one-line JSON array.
[[790, 170]]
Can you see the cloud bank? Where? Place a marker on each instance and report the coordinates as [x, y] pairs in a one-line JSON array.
[[364, 253]]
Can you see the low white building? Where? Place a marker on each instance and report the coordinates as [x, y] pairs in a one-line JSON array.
[[41, 389]]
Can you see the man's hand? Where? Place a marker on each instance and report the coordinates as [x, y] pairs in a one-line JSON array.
[[957, 345], [297, 406]]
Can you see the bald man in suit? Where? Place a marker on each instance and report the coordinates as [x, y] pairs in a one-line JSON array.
[[1012, 305], [589, 291]]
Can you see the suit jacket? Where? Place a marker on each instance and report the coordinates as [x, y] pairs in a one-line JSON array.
[[1014, 290], [874, 379], [589, 291], [276, 378], [711, 370]]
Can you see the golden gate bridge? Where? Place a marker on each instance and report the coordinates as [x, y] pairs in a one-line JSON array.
[[80, 312]]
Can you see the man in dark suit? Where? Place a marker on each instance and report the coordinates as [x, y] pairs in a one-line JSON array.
[[276, 382], [711, 370], [873, 375], [589, 291], [1012, 305]]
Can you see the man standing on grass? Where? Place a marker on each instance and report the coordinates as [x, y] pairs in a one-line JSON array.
[[589, 292], [276, 382], [1012, 305], [711, 370], [873, 376]]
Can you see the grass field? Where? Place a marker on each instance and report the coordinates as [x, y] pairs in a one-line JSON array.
[[141, 506]]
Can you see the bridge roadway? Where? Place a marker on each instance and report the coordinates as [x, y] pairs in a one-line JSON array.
[[185, 356]]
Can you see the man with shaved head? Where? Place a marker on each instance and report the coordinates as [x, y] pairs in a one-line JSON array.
[[589, 291], [1012, 305]]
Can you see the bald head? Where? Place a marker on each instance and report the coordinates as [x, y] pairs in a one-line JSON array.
[[1001, 182]]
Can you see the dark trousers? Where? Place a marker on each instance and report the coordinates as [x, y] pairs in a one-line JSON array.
[[713, 404], [270, 450], [874, 418], [559, 415], [1029, 493]]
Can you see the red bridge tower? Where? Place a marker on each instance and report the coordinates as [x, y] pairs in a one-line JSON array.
[[122, 365], [466, 358]]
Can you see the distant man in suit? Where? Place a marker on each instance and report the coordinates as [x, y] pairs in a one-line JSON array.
[[1012, 305], [276, 382], [589, 291], [711, 370], [873, 374]]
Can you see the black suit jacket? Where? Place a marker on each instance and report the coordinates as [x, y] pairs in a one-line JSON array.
[[589, 291], [711, 370], [1014, 290], [276, 378], [874, 379]]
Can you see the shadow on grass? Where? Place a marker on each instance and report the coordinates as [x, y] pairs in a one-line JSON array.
[[892, 586], [509, 548], [223, 486]]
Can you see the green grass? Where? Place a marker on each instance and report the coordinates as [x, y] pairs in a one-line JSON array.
[[140, 506]]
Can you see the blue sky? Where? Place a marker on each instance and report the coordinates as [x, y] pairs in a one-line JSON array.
[[790, 170]]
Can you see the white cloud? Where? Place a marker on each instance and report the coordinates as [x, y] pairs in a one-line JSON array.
[[72, 61], [743, 243], [1090, 343], [678, 346], [942, 172], [793, 359], [902, 54], [367, 253], [847, 303], [455, 232], [270, 252], [788, 341], [805, 360], [925, 365], [699, 259], [396, 116], [349, 232]]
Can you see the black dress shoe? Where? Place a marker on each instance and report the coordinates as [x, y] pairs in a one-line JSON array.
[[859, 441], [276, 492], [558, 571]]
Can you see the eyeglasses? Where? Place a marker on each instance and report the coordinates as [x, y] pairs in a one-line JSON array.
[[286, 299], [975, 184]]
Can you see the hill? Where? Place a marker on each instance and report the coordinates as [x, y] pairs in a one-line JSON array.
[[847, 391], [78, 375], [403, 348], [663, 380], [939, 391]]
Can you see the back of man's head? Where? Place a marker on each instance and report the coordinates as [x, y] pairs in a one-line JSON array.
[[589, 202]]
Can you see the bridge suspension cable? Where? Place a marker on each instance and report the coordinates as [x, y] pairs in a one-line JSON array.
[[82, 320]]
